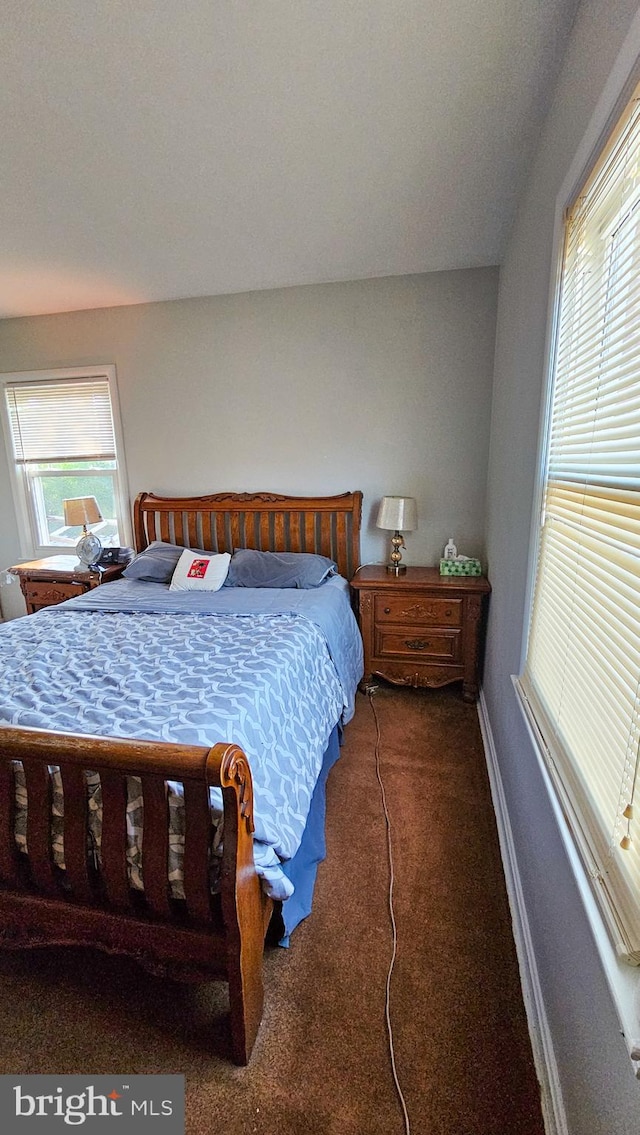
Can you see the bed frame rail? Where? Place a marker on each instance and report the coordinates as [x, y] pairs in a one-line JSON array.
[[203, 936]]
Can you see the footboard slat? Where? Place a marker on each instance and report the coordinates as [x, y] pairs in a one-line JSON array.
[[155, 844], [39, 802], [197, 841], [8, 850], [76, 820], [114, 837]]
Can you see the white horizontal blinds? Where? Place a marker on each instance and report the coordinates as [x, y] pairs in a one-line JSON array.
[[582, 674], [61, 420]]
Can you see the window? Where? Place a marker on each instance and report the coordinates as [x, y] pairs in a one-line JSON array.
[[63, 431], [581, 678]]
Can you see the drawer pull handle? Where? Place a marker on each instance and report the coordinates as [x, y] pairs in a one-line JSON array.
[[387, 610], [417, 643]]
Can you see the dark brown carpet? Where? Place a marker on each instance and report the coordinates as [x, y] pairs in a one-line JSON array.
[[321, 1063]]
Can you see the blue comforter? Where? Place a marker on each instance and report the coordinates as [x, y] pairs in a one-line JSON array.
[[270, 670]]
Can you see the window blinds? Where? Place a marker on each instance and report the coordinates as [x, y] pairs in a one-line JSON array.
[[61, 420], [582, 672]]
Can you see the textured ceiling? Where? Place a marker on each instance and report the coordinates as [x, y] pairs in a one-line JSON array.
[[155, 149]]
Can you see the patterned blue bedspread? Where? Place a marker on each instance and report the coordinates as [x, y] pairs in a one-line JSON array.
[[272, 671]]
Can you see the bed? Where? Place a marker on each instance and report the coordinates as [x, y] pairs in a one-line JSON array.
[[130, 817]]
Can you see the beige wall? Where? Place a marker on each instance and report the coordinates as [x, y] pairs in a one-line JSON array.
[[381, 385]]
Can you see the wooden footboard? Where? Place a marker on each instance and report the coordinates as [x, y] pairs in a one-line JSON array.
[[200, 937]]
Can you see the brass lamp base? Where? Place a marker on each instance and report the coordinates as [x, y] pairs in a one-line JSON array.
[[397, 542]]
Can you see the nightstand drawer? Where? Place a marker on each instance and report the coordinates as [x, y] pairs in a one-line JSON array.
[[403, 642], [48, 594], [418, 610]]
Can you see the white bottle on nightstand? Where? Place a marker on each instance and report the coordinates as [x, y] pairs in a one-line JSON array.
[[450, 550]]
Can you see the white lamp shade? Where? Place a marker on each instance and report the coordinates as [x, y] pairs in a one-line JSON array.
[[398, 514], [81, 510]]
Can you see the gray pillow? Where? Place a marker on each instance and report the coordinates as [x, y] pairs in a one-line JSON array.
[[250, 568], [156, 564]]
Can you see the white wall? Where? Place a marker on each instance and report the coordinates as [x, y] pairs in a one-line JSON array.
[[381, 385], [600, 1093]]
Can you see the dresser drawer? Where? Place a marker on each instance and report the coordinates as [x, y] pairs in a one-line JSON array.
[[48, 594], [418, 610], [405, 642]]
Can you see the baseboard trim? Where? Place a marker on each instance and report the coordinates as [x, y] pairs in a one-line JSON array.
[[553, 1112]]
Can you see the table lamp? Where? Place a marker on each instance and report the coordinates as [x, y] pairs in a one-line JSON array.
[[84, 510], [397, 514]]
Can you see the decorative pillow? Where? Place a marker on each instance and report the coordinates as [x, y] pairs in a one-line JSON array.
[[198, 571], [251, 568], [156, 564]]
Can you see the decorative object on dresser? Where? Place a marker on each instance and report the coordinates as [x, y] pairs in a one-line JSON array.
[[84, 510], [421, 628], [460, 565], [56, 578], [397, 515]]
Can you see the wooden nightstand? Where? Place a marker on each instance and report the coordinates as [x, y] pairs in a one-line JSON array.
[[421, 628], [56, 578]]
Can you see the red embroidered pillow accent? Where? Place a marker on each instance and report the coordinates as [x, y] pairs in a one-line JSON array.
[[196, 572]]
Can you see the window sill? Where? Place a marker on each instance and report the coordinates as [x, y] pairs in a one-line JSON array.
[[623, 979]]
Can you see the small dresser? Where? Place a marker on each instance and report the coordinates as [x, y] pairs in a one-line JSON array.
[[56, 578], [421, 628]]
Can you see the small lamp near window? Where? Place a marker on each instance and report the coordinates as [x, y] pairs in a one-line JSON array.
[[397, 514], [84, 511]]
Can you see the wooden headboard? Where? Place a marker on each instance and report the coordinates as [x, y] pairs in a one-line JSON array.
[[328, 526]]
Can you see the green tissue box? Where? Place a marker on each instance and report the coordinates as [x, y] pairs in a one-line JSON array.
[[460, 567]]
